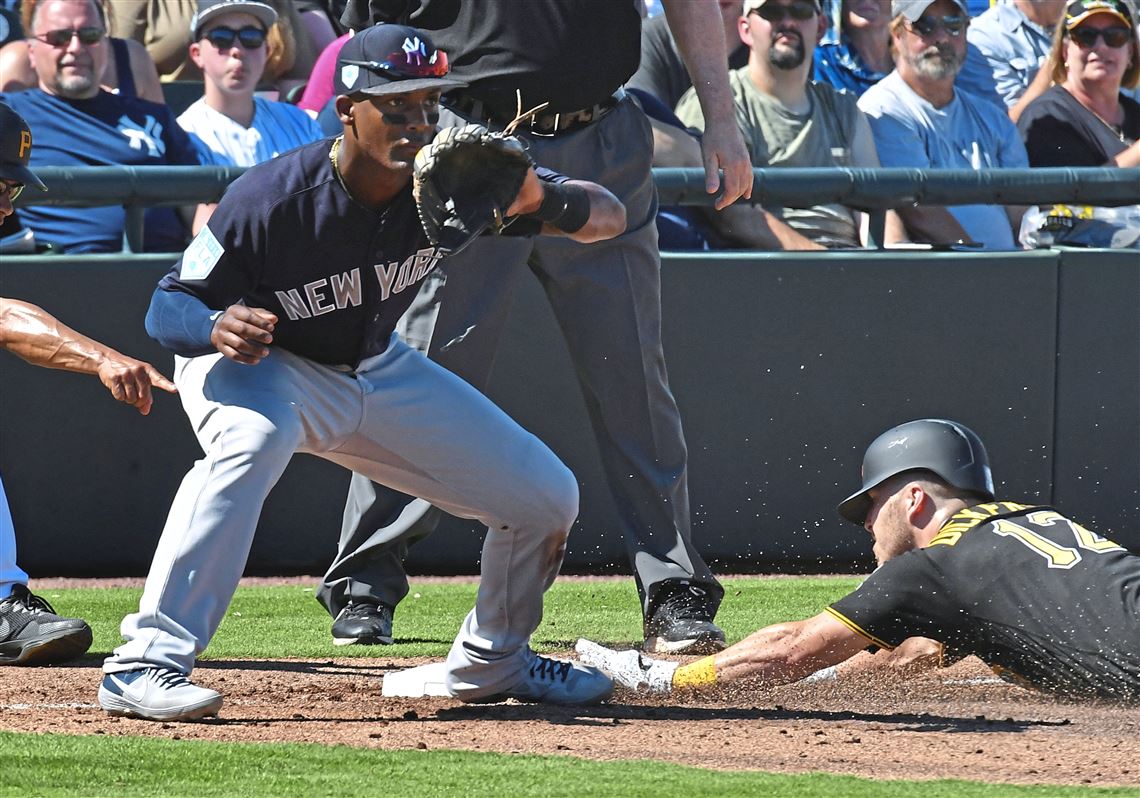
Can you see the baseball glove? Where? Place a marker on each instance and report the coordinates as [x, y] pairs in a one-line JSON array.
[[464, 181]]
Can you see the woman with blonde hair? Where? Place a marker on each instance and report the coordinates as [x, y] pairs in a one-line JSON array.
[[1085, 119]]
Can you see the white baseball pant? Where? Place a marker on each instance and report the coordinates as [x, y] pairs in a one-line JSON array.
[[399, 419]]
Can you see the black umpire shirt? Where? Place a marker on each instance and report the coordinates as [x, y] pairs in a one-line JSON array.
[[570, 53]]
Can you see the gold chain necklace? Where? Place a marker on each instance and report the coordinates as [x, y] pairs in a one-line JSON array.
[[1117, 131], [334, 151]]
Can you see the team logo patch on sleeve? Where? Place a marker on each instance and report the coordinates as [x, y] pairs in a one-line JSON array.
[[201, 256]]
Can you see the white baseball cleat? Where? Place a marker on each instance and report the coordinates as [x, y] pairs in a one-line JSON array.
[[157, 694], [631, 669]]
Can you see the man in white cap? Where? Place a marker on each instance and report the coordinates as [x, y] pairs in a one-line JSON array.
[[230, 124], [920, 120]]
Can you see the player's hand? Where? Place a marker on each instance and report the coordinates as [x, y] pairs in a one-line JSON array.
[[631, 669], [722, 147], [130, 381], [530, 195], [244, 334]]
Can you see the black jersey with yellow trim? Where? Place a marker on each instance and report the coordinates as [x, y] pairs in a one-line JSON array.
[[1029, 591]]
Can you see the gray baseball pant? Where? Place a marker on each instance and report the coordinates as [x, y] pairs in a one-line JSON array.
[[399, 419], [606, 297]]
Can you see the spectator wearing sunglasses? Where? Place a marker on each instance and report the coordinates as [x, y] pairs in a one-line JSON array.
[[1008, 49], [788, 120], [130, 70], [165, 28], [229, 124], [921, 121], [1085, 119], [78, 123]]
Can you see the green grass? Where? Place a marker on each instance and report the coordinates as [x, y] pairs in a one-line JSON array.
[[124, 767], [285, 621], [271, 622]]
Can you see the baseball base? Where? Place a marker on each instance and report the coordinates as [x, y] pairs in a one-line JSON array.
[[420, 682]]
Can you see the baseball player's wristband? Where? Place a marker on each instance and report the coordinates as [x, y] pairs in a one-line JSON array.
[[564, 206], [701, 673]]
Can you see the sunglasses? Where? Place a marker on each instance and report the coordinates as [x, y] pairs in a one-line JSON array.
[[926, 27], [797, 11], [408, 65], [11, 190], [63, 36], [1113, 37], [223, 38]]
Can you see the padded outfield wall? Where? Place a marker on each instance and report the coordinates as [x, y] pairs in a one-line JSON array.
[[784, 365]]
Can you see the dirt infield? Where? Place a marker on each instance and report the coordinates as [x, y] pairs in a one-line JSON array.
[[960, 723]]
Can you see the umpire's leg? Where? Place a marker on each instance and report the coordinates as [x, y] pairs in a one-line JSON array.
[[607, 299]]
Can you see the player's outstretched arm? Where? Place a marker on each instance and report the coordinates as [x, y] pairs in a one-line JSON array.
[[30, 332], [777, 654], [577, 209]]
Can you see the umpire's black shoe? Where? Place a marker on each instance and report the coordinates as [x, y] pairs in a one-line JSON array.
[[363, 624], [32, 634], [681, 621]]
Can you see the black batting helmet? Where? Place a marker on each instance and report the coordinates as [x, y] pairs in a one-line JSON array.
[[951, 450]]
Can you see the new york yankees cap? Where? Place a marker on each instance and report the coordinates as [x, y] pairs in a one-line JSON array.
[[914, 9], [391, 59], [951, 450], [16, 149], [211, 9]]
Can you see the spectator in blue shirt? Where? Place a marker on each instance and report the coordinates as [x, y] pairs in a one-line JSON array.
[[855, 52], [77, 123], [1008, 46]]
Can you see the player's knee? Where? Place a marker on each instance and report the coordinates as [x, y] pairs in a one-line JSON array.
[[559, 492]]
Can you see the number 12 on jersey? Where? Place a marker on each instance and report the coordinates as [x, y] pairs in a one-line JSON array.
[[1056, 555]]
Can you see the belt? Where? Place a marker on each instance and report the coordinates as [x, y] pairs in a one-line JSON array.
[[543, 124]]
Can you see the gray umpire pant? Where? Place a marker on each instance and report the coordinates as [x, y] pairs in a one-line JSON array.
[[606, 297]]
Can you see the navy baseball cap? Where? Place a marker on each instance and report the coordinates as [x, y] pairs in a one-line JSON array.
[[391, 59], [211, 9], [16, 149]]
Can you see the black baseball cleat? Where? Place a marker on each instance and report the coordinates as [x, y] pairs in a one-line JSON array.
[[363, 624], [32, 634], [681, 621]]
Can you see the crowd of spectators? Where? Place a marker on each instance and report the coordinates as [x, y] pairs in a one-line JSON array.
[[975, 84]]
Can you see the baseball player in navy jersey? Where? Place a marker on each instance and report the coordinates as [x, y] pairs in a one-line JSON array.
[[281, 314], [1044, 601]]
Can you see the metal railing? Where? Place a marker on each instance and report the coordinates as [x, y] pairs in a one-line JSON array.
[[871, 190]]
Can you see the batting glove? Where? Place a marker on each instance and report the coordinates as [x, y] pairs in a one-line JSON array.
[[631, 669]]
